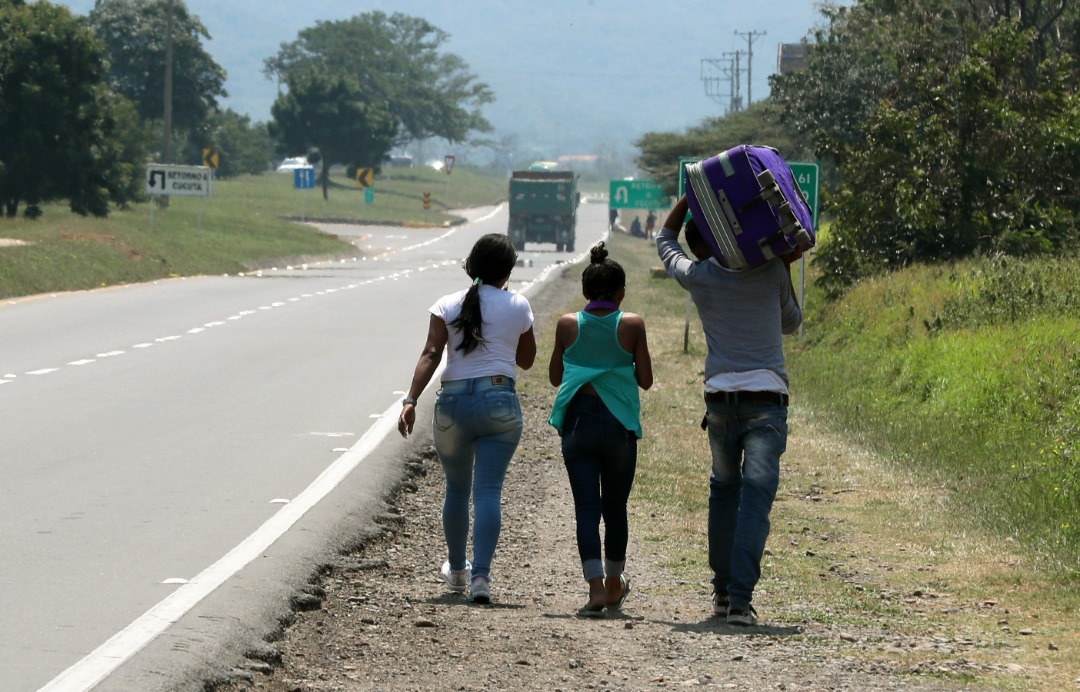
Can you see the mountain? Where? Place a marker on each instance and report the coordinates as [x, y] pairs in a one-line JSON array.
[[569, 76]]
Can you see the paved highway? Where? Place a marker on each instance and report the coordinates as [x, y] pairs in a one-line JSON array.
[[176, 456]]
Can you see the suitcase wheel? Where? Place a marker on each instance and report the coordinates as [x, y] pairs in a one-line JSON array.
[[802, 238], [765, 178]]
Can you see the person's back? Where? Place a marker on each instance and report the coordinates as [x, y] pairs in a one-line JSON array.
[[599, 359], [477, 422], [744, 314]]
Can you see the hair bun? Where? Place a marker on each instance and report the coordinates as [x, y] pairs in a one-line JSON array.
[[598, 253]]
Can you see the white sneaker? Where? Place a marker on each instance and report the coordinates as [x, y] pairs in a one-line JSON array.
[[456, 579], [480, 589]]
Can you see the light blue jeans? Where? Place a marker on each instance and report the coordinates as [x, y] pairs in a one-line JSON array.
[[746, 441], [477, 426]]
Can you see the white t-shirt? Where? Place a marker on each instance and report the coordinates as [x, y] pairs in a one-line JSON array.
[[506, 317]]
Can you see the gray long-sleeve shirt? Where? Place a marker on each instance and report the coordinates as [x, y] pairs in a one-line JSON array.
[[743, 313]]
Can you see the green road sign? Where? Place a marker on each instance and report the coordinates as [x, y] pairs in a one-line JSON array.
[[683, 161], [806, 177], [637, 194]]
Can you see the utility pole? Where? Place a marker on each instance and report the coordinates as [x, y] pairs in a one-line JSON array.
[[166, 141], [750, 36]]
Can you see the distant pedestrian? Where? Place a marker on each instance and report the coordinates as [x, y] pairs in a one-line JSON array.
[[599, 360], [635, 228], [613, 217], [650, 225], [477, 419], [743, 314]]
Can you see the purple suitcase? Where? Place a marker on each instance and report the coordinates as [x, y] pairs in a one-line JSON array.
[[747, 206]]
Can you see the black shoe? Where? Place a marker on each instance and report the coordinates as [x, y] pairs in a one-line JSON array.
[[745, 617]]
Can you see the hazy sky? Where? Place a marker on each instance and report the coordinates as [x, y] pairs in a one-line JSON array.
[[604, 70]]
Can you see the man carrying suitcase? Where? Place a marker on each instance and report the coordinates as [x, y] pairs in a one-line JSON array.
[[743, 314]]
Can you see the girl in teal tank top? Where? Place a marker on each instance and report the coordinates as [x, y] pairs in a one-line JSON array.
[[599, 360]]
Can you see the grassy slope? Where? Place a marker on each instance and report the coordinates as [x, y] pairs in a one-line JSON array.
[[984, 401], [243, 224]]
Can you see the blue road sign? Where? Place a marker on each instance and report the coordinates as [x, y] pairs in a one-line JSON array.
[[303, 178]]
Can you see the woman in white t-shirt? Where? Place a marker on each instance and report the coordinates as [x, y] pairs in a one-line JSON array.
[[477, 419]]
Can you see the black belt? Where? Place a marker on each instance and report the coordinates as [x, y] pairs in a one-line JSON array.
[[752, 398]]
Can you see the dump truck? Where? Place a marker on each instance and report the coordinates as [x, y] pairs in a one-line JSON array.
[[543, 208]]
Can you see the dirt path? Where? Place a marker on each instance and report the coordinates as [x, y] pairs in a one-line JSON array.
[[380, 618]]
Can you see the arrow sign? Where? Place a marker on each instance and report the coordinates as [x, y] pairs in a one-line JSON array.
[[191, 181], [637, 194], [363, 177]]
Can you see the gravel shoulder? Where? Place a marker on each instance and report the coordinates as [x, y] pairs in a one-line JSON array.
[[379, 618]]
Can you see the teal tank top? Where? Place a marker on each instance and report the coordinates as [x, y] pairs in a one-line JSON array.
[[596, 357]]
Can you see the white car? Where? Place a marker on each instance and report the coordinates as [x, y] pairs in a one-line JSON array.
[[292, 164]]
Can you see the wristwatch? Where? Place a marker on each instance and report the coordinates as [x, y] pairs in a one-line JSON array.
[[408, 400]]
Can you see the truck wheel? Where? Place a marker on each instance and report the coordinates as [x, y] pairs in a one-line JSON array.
[[570, 246], [558, 247]]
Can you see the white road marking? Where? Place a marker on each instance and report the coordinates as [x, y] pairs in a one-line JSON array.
[[102, 661], [42, 371], [84, 361]]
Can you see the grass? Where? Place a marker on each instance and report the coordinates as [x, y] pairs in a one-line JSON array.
[[984, 402], [244, 224]]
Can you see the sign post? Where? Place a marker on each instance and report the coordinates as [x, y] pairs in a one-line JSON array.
[[364, 177], [637, 194], [303, 179], [190, 181], [211, 157], [681, 175], [806, 177], [184, 181], [449, 166]]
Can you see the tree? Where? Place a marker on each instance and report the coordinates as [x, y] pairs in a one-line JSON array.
[[328, 114], [849, 66], [390, 68], [65, 133], [954, 127], [758, 124], [134, 33], [243, 147]]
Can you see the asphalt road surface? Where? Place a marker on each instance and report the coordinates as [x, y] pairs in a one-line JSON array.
[[175, 456]]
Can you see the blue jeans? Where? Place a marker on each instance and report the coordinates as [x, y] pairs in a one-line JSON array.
[[600, 457], [477, 426], [746, 441]]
